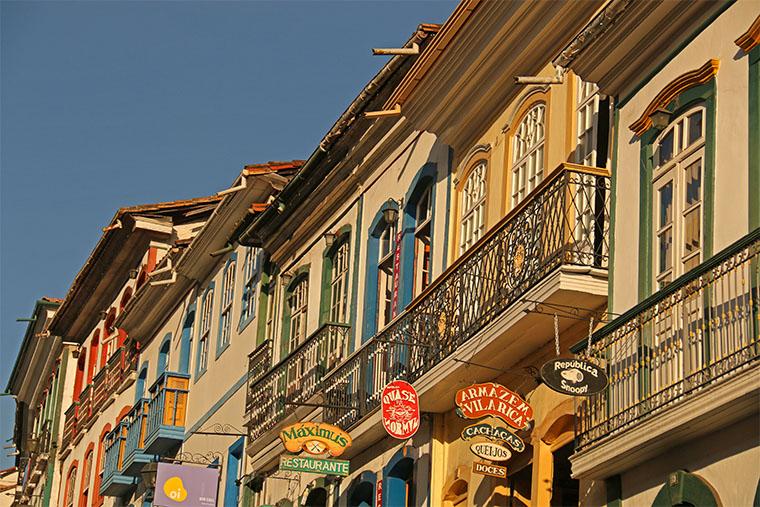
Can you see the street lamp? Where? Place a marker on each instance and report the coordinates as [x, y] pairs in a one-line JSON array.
[[390, 211], [660, 118]]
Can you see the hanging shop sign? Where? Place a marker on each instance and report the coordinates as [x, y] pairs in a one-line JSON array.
[[490, 451], [576, 377], [489, 469], [400, 409], [178, 485], [315, 438], [495, 434], [339, 467], [491, 399]]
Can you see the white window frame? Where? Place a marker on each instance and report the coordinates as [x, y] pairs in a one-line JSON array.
[[528, 153], [299, 309], [206, 316], [422, 246], [473, 206], [228, 296], [250, 283], [339, 282], [673, 172], [386, 252], [587, 123]]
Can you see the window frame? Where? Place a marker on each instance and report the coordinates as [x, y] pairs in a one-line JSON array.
[[340, 270], [385, 273], [523, 182], [251, 271], [299, 288], [587, 99], [473, 209], [205, 318], [224, 337]]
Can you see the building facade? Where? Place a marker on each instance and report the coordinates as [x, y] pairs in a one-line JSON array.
[[525, 183]]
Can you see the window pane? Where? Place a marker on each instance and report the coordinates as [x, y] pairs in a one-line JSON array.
[[666, 249], [666, 204], [666, 148], [692, 231], [693, 178], [695, 127]]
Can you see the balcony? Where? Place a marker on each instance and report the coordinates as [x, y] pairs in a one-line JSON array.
[[114, 482], [165, 423], [683, 361], [137, 422], [112, 379], [552, 246], [259, 363], [295, 379]]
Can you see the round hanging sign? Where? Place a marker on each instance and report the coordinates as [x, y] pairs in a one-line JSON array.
[[400, 409], [491, 451], [576, 377]]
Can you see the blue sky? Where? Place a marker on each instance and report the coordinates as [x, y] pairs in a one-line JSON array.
[[110, 104]]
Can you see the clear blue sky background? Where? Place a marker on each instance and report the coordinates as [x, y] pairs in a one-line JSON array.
[[110, 104]]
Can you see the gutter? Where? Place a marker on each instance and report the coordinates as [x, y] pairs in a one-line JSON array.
[[249, 236]]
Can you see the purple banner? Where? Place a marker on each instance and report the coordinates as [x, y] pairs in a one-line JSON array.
[[185, 486]]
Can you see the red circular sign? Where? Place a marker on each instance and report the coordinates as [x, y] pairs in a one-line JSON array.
[[401, 410]]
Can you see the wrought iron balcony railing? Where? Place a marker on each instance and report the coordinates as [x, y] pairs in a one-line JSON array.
[[563, 222], [295, 379], [696, 332], [259, 363]]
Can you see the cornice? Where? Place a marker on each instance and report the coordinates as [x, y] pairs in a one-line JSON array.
[[672, 90], [751, 38]]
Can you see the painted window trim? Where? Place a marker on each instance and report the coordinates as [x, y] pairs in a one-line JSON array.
[[140, 390], [230, 479], [198, 370], [425, 178], [164, 361], [343, 235], [753, 131], [186, 338], [406, 452], [370, 284], [255, 280], [298, 274], [221, 347], [705, 94]]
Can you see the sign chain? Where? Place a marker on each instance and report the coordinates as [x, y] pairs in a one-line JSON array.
[[590, 333], [556, 334]]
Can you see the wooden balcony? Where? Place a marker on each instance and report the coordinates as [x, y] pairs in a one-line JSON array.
[[69, 425], [295, 379], [114, 482], [549, 246], [682, 358], [137, 422], [165, 424]]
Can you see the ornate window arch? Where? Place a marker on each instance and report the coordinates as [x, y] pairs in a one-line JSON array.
[[71, 479], [528, 152]]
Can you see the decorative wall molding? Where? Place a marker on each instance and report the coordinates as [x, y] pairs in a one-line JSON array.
[[672, 90], [751, 38]]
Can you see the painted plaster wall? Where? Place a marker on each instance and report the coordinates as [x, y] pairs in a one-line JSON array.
[[731, 164], [727, 460]]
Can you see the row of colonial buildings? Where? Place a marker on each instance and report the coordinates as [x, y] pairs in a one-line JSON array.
[[528, 179]]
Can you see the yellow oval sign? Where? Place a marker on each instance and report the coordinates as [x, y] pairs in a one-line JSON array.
[[315, 438]]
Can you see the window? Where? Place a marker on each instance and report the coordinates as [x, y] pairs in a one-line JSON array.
[[68, 500], [473, 206], [387, 242], [587, 114], [339, 283], [225, 318], [86, 473], [528, 153], [207, 304], [423, 213], [679, 162], [250, 280], [164, 353], [298, 302]]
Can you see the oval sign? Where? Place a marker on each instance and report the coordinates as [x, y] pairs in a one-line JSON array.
[[576, 377], [491, 399], [401, 410], [490, 451]]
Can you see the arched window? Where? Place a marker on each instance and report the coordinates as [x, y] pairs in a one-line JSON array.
[[125, 299], [473, 206], [339, 270], [71, 479], [298, 302], [99, 463], [84, 493], [251, 266], [398, 486], [207, 305], [225, 316], [361, 491], [587, 117], [317, 497], [92, 369], [142, 378], [679, 154], [186, 340], [528, 153], [422, 234], [385, 282], [79, 377], [164, 353]]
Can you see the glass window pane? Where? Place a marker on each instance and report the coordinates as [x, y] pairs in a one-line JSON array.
[[666, 148], [693, 178], [692, 231], [666, 249], [695, 127], [666, 204]]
